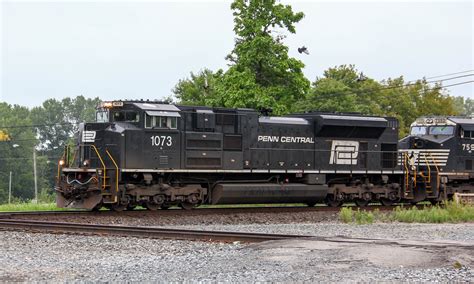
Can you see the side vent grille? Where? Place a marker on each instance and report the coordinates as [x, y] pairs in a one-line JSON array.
[[163, 160]]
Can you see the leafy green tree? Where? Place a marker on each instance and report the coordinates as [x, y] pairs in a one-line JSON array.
[[198, 89], [16, 155], [342, 89], [261, 74]]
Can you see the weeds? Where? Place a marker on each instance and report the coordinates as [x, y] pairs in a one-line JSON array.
[[347, 215], [29, 206], [449, 212]]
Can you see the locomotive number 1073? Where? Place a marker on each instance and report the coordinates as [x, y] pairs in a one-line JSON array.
[[161, 140]]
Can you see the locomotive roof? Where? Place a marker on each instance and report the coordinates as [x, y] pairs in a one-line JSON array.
[[156, 106], [464, 121]]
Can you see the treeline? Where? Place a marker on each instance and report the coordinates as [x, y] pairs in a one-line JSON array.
[[341, 89], [261, 75], [44, 129]]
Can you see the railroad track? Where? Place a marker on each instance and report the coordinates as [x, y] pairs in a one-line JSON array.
[[194, 212], [209, 236], [141, 232]]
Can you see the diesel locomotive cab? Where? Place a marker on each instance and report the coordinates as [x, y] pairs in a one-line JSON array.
[[440, 148]]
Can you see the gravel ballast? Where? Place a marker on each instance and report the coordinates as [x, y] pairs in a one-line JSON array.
[[56, 257]]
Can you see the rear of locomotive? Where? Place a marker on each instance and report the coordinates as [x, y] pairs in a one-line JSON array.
[[438, 157]]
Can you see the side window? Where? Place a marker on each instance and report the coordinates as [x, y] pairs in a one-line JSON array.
[[161, 122], [129, 116]]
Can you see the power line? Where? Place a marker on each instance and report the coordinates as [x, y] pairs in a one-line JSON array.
[[429, 82], [456, 73], [39, 125], [456, 84]]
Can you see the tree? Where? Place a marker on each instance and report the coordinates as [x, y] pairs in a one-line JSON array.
[[16, 155], [342, 89], [199, 89], [345, 89], [261, 74]]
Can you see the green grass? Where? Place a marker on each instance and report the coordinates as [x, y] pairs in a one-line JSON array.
[[347, 215], [29, 206], [449, 212]]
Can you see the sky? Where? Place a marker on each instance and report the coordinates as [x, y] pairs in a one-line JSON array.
[[140, 50]]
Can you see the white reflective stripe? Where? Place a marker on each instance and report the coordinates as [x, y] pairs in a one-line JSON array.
[[261, 171]]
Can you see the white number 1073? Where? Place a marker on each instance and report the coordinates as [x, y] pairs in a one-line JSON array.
[[161, 141]]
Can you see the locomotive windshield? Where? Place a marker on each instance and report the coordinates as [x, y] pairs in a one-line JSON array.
[[442, 130], [432, 130], [102, 115], [418, 130]]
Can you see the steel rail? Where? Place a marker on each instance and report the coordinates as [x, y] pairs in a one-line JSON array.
[[208, 236], [201, 211], [141, 232], [194, 212]]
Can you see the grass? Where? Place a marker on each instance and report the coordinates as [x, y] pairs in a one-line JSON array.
[[449, 212], [29, 206], [347, 215]]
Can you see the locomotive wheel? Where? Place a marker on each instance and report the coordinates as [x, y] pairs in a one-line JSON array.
[[118, 207], [152, 206], [165, 206], [331, 202], [386, 202], [131, 207], [187, 205], [310, 204], [361, 202]]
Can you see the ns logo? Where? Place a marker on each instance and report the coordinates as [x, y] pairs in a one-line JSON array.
[[344, 152]]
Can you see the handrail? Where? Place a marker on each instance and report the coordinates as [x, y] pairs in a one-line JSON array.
[[102, 162], [437, 172], [429, 168], [116, 173], [405, 155]]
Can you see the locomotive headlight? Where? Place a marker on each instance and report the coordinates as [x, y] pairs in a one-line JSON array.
[[61, 162], [86, 163]]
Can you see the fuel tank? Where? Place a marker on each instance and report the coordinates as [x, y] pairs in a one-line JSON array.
[[238, 193]]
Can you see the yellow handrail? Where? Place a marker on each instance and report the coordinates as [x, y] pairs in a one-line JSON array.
[[102, 162], [116, 173], [405, 155], [429, 169]]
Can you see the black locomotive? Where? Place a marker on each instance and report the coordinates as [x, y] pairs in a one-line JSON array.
[[438, 157], [158, 155]]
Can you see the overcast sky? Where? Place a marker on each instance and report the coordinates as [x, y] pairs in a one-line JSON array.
[[129, 50]]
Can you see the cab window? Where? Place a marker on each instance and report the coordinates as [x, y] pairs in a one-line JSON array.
[[442, 130], [102, 115], [161, 122], [418, 130], [126, 116]]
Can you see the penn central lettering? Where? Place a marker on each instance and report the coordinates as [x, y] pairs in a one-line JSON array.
[[285, 139]]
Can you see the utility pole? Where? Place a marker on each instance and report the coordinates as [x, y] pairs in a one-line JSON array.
[[34, 172], [10, 189]]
